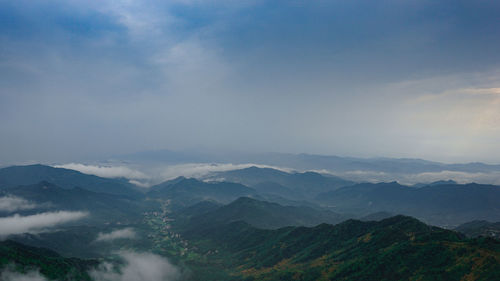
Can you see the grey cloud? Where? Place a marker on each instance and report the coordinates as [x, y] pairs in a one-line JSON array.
[[105, 171], [426, 177], [10, 203], [17, 224], [126, 233], [138, 266], [9, 275], [309, 77]]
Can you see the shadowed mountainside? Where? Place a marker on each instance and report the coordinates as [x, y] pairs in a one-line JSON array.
[[65, 178]]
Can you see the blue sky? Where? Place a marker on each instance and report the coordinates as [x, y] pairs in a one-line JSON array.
[[90, 79]]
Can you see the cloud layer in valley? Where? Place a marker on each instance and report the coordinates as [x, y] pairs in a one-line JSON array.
[[427, 177], [158, 173], [126, 233], [10, 275], [138, 266], [155, 174], [10, 203], [134, 266], [17, 224], [105, 171]]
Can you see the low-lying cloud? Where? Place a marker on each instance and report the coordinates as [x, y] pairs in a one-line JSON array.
[[17, 224], [160, 173], [137, 266], [126, 233], [10, 203], [105, 171], [10, 275], [426, 177]]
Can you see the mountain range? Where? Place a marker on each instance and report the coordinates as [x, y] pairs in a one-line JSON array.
[[303, 161], [256, 224]]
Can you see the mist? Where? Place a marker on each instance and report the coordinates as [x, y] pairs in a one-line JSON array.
[[17, 224], [126, 233], [10, 275], [11, 203], [138, 266]]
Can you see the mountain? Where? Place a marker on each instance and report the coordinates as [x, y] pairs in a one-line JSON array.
[[378, 216], [305, 161], [101, 206], [80, 240], [397, 248], [266, 215], [273, 188], [51, 264], [197, 209], [65, 178], [287, 185], [480, 228], [445, 204], [435, 183], [184, 192]]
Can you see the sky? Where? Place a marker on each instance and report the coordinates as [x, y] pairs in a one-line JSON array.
[[83, 79]]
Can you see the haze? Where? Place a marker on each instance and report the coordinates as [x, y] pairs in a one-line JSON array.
[[92, 79]]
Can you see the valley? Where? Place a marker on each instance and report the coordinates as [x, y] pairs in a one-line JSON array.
[[213, 230]]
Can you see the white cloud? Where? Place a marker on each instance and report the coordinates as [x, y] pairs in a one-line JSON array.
[[460, 177], [139, 183], [11, 203], [161, 173], [9, 275], [138, 266], [17, 224], [105, 171], [426, 177], [126, 233]]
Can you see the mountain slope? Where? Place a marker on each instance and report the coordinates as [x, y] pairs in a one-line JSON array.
[[102, 206], [398, 248], [50, 264], [480, 228], [185, 192], [65, 178], [446, 204], [266, 215], [302, 185]]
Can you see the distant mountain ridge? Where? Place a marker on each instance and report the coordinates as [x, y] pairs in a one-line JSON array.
[[438, 204], [65, 178], [306, 161], [299, 185]]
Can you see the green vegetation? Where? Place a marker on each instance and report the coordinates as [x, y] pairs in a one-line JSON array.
[[266, 215], [398, 248], [249, 239], [50, 264]]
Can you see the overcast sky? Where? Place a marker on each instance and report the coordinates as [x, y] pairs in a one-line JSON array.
[[90, 79]]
